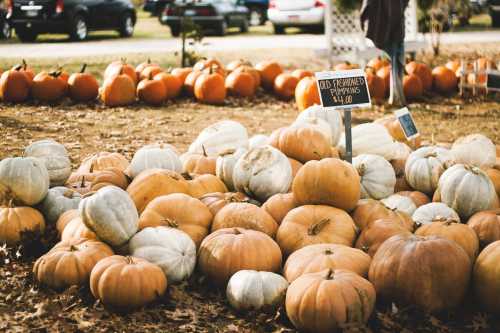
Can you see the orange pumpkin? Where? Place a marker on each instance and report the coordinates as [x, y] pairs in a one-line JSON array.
[[210, 88], [240, 83], [376, 85], [279, 205], [76, 229], [83, 87], [377, 63], [15, 221], [252, 71], [412, 87], [268, 70], [65, 219], [423, 72], [385, 74], [190, 82], [218, 200], [306, 93], [210, 64], [118, 90], [151, 91], [303, 144], [150, 71], [181, 73], [101, 161], [296, 165], [284, 86], [453, 65], [26, 70], [301, 73], [14, 86], [172, 83], [199, 185], [369, 210], [486, 277], [494, 174], [139, 68], [377, 232], [199, 164], [486, 224], [237, 63], [418, 198], [47, 87], [119, 68], [445, 80]]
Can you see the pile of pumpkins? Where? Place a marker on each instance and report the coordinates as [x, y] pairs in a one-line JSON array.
[[271, 219], [209, 81]]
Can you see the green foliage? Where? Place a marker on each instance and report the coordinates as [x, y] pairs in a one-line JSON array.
[[348, 5]]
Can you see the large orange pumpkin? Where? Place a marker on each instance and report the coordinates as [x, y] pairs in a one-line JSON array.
[[369, 210], [17, 222], [83, 87], [151, 91], [26, 70], [284, 85], [209, 63], [139, 68], [412, 86], [422, 71], [101, 161], [240, 83], [181, 73], [199, 185], [315, 224], [486, 224], [385, 74], [118, 90], [199, 164], [486, 278], [14, 86], [377, 232], [150, 71], [173, 84], [218, 200], [47, 87], [228, 251], [268, 70], [329, 182], [306, 93], [376, 85], [210, 88], [445, 80], [279, 205], [252, 71], [303, 144], [121, 67]]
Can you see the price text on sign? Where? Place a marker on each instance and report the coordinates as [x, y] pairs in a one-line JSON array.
[[407, 124], [493, 80], [343, 89]]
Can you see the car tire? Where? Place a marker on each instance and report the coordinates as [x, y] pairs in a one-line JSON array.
[[176, 32], [256, 16], [222, 29], [26, 35], [244, 26], [79, 29], [126, 27], [5, 30], [279, 29]]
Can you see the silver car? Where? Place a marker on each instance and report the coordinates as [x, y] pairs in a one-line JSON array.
[[296, 13]]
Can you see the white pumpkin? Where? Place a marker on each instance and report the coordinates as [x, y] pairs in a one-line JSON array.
[[59, 200], [24, 180], [262, 173], [370, 138], [55, 158], [224, 166], [424, 167], [257, 141], [111, 214], [474, 149], [219, 138], [317, 123], [377, 176], [466, 189], [253, 290], [171, 249], [434, 211], [154, 157], [332, 117], [400, 203]]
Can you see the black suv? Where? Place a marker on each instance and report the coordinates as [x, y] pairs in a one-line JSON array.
[[76, 18]]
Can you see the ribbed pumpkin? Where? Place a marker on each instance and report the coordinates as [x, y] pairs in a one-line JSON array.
[[150, 72], [121, 67], [378, 231], [369, 210], [329, 300], [306, 93], [210, 88], [228, 251], [151, 91], [453, 230], [14, 86], [107, 177], [486, 224], [55, 158], [48, 87], [475, 150], [118, 90], [444, 79], [240, 83], [199, 164], [329, 182], [83, 87], [315, 224], [279, 205], [65, 219], [76, 229], [434, 211], [156, 156], [102, 161], [486, 277], [332, 117], [400, 203], [153, 183], [127, 283], [268, 71], [218, 200], [412, 86], [252, 71], [17, 222], [58, 200], [172, 83], [423, 72], [70, 263], [180, 211], [284, 85], [431, 273], [317, 257], [303, 143], [199, 185], [377, 176]]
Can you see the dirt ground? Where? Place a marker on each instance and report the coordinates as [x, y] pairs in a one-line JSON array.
[[196, 306]]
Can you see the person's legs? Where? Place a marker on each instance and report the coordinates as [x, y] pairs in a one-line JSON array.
[[396, 52]]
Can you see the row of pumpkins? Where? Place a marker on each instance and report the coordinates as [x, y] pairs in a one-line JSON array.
[[209, 82], [238, 208]]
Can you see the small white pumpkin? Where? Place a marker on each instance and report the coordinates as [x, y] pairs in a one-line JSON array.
[[474, 149], [370, 138], [154, 157], [219, 138], [24, 180], [400, 203], [253, 290], [466, 189], [59, 200], [262, 173], [171, 249], [224, 166], [111, 214], [434, 211], [332, 117], [257, 141], [377, 176], [317, 123], [424, 167], [55, 158]]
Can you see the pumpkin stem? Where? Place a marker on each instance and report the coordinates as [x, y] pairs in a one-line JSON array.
[[149, 61], [361, 169], [236, 231], [204, 151], [68, 193], [186, 176], [431, 154], [130, 260], [123, 61], [317, 227], [83, 181], [89, 194], [330, 275], [25, 64], [328, 252], [18, 68], [365, 248], [73, 248], [84, 67], [171, 223]]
